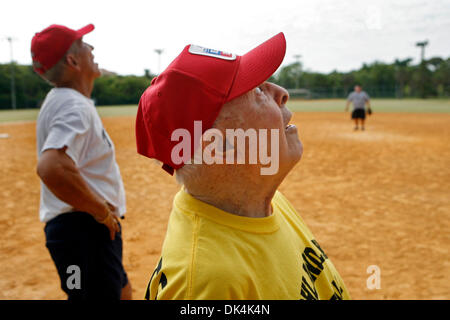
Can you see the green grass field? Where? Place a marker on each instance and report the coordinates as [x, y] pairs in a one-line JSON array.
[[378, 105], [332, 105], [31, 114]]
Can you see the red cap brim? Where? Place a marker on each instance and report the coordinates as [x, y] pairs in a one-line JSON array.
[[81, 32], [257, 65]]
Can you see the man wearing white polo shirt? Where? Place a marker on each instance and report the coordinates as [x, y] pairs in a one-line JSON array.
[[82, 193], [360, 99]]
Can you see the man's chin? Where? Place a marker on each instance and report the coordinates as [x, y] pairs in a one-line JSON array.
[[295, 158], [296, 149], [97, 74]]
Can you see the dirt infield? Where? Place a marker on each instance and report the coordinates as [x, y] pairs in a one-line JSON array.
[[379, 197]]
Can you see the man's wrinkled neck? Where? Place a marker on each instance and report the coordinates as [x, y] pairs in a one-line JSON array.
[[239, 196], [83, 87]]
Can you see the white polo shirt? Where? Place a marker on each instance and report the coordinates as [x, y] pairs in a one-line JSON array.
[[359, 99], [68, 118]]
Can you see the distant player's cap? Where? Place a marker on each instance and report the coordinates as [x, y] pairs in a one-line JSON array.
[[194, 87], [50, 45]]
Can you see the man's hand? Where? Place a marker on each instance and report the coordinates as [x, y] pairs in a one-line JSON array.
[[346, 106], [369, 108], [109, 220]]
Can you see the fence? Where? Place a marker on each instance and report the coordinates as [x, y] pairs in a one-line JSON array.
[[373, 92]]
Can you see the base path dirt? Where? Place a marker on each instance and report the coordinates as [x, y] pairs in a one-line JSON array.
[[378, 197]]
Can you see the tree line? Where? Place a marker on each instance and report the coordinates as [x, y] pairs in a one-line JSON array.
[[401, 79], [430, 78], [109, 89]]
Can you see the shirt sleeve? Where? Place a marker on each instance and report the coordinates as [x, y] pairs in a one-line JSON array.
[[366, 96], [350, 96], [210, 287], [167, 283], [178, 281], [69, 129]]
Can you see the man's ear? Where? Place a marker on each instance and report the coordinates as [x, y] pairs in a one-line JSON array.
[[72, 62]]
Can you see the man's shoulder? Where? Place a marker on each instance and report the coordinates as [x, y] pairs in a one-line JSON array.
[[65, 96], [63, 101], [281, 201], [287, 211]]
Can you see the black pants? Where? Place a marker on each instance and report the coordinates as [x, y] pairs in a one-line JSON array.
[[359, 114], [89, 263]]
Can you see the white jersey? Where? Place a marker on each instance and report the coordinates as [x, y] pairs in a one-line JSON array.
[[68, 118], [359, 99]]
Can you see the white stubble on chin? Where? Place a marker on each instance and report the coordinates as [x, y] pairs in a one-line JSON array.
[[274, 158]]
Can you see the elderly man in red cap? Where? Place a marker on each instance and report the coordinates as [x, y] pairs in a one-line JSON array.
[[231, 234], [82, 193]]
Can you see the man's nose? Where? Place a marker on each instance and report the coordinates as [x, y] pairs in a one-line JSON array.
[[280, 94]]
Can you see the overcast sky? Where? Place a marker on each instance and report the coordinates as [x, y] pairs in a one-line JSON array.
[[328, 34]]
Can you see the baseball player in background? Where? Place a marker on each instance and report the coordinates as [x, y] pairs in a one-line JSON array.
[[82, 194], [360, 99], [231, 234]]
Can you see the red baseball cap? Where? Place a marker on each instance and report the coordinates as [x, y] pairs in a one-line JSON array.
[[50, 45], [194, 87]]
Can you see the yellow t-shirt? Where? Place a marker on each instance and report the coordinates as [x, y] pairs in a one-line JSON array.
[[212, 254]]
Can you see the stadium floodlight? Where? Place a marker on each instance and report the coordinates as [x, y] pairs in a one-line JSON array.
[[297, 78], [422, 46], [13, 83], [159, 52]]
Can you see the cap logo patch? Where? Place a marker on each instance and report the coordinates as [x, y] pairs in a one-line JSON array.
[[211, 52]]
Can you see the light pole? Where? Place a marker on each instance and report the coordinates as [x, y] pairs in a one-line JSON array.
[[422, 46], [423, 81], [13, 83], [297, 78], [159, 52]]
